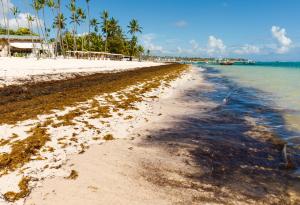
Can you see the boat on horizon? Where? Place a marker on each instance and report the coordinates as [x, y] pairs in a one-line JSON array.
[[226, 63]]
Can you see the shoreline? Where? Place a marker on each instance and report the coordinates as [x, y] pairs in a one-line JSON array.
[[171, 146]]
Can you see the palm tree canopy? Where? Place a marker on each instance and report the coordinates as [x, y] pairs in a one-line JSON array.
[[15, 10], [30, 18], [80, 12], [105, 15], [36, 5], [59, 21], [94, 23], [134, 27], [51, 4]]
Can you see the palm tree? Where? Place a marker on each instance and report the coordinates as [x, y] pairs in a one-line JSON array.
[[94, 23], [15, 10], [89, 21], [72, 8], [43, 4], [82, 17], [134, 28], [105, 25], [6, 23], [59, 23], [79, 17], [52, 5], [30, 19], [37, 7]]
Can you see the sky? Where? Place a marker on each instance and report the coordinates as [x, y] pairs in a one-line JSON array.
[[266, 30]]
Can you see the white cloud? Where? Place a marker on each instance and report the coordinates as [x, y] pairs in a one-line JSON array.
[[194, 44], [147, 41], [215, 45], [284, 43], [247, 49], [21, 18], [181, 24]]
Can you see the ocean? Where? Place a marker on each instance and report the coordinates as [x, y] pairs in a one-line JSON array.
[[273, 85]]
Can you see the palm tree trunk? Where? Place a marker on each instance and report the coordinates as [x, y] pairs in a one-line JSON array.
[[59, 29], [74, 32], [106, 38], [6, 22], [46, 37], [89, 22], [38, 23]]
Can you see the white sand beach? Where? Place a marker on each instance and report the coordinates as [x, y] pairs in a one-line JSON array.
[[13, 70], [72, 142], [112, 172]]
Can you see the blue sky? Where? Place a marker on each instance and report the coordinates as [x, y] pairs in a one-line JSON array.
[[255, 29]]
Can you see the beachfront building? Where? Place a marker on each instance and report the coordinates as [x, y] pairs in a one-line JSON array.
[[23, 45]]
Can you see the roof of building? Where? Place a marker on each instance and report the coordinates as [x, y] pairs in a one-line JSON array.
[[25, 45], [19, 37]]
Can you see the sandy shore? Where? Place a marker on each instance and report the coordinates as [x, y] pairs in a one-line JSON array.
[[50, 69], [75, 129], [163, 142], [114, 172]]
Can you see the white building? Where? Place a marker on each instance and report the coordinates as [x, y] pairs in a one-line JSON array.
[[23, 45]]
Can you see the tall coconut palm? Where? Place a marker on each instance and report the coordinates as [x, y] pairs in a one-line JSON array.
[[43, 4], [15, 11], [52, 5], [30, 19], [81, 17], [134, 28], [59, 23], [74, 17], [89, 21], [37, 7], [105, 25]]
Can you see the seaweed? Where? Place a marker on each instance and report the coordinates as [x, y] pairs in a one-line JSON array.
[[23, 150], [17, 104], [24, 191]]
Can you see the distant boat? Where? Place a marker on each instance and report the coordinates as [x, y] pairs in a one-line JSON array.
[[226, 63]]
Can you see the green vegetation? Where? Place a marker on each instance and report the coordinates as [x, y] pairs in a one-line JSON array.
[[104, 32], [20, 32]]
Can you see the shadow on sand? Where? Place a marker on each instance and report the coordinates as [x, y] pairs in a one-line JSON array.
[[241, 160]]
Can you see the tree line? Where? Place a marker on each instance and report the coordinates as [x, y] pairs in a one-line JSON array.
[[104, 32]]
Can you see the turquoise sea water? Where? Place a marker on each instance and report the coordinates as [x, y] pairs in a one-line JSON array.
[[279, 83]]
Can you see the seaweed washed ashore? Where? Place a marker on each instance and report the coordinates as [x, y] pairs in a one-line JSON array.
[[42, 123]]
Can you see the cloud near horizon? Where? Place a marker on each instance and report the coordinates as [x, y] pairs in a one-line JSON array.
[[284, 42], [215, 45], [147, 41], [181, 24], [247, 49]]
